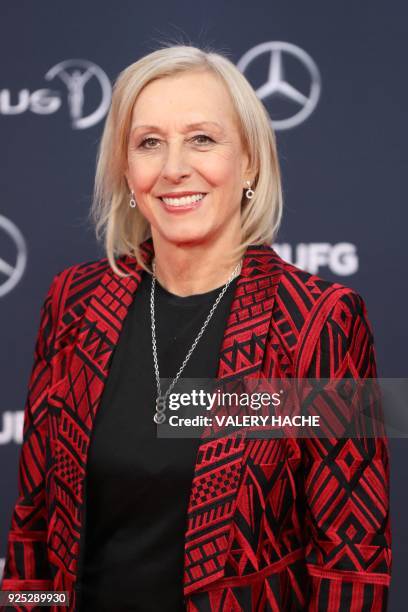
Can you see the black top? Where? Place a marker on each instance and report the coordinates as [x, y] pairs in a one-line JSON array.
[[138, 485]]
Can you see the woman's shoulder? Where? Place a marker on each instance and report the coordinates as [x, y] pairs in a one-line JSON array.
[[85, 274], [73, 286], [320, 322], [85, 269], [305, 290], [306, 303]]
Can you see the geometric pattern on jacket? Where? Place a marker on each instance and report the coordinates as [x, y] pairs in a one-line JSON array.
[[278, 524]]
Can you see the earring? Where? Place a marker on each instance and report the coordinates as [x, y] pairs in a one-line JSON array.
[[132, 202], [249, 192]]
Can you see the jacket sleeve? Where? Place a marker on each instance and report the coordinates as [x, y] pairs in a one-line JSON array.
[[26, 566], [346, 480]]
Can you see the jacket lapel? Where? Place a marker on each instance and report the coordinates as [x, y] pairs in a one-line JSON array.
[[219, 463], [209, 517]]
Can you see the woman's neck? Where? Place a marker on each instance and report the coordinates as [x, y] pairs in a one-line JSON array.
[[187, 271]]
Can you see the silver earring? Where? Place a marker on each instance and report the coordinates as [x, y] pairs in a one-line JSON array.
[[132, 202], [249, 192]]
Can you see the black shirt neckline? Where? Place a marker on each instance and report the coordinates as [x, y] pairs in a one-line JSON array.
[[190, 300]]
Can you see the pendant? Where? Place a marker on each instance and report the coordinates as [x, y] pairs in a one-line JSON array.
[[159, 416]]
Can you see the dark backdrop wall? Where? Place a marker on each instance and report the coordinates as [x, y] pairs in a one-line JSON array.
[[337, 95]]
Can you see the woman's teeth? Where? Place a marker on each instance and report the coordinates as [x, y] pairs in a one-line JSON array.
[[183, 200]]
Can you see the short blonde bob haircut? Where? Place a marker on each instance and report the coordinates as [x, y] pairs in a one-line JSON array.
[[121, 228]]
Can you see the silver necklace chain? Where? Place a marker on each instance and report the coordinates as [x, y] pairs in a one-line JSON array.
[[159, 416]]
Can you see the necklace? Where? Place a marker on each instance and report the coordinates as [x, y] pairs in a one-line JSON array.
[[159, 416]]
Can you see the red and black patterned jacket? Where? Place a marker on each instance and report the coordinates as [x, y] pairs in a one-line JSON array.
[[279, 524]]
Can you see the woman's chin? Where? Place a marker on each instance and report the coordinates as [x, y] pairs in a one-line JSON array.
[[183, 236]]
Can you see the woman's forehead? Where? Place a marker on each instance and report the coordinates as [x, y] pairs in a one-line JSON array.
[[203, 90], [196, 95]]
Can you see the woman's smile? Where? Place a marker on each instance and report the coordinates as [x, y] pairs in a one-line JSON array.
[[183, 203]]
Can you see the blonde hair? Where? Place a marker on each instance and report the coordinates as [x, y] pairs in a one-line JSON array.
[[121, 228]]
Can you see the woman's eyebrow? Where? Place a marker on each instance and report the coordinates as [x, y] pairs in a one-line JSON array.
[[189, 126], [192, 126]]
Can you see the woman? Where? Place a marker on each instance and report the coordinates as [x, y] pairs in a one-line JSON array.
[[188, 199]]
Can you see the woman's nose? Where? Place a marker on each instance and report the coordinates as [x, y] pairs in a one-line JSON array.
[[175, 164]]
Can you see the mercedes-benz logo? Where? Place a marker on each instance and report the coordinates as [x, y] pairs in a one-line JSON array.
[[12, 271], [75, 74], [277, 85]]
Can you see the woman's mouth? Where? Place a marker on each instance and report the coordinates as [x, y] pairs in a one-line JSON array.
[[188, 202]]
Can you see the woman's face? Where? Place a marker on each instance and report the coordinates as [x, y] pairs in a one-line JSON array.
[[184, 138]]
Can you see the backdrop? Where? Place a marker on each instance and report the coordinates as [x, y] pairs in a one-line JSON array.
[[333, 78]]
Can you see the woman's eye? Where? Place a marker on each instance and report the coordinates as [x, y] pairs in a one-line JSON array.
[[208, 139], [146, 140], [149, 143]]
